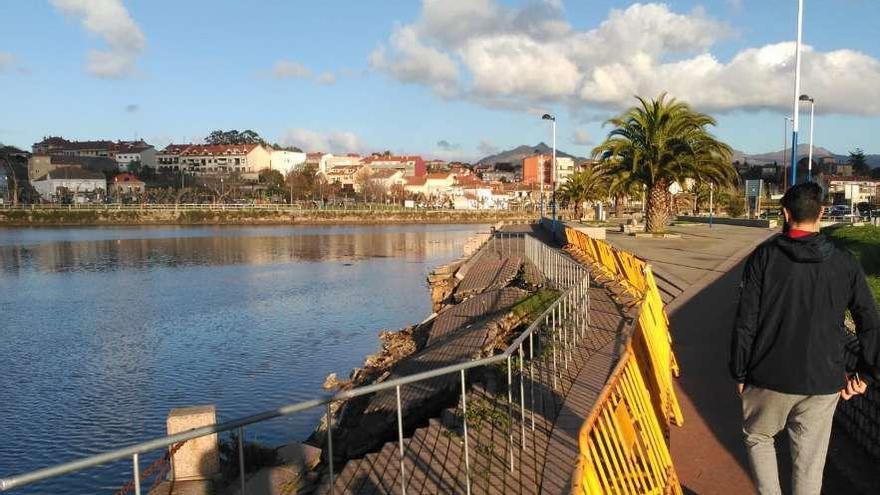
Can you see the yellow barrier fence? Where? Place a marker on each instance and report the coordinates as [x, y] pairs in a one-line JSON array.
[[622, 446]]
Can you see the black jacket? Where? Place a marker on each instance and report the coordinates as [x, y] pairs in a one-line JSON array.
[[789, 334]]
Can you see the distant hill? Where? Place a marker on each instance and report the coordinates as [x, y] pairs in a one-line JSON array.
[[516, 155], [803, 150]]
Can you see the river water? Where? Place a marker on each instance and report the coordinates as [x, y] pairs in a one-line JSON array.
[[104, 330]]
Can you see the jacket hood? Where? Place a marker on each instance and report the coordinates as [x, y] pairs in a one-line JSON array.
[[810, 249]]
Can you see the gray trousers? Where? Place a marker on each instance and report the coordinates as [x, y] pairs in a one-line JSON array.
[[807, 418]]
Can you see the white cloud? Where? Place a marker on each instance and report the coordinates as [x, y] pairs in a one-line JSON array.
[[582, 137], [285, 69], [412, 61], [330, 142], [487, 148], [326, 79], [526, 57], [109, 20]]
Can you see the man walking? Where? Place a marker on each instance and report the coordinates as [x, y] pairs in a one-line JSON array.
[[787, 349]]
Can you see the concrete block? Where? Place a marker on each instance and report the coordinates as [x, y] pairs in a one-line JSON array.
[[199, 458], [593, 232]]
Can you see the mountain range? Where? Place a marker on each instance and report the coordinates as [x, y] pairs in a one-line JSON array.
[[516, 155]]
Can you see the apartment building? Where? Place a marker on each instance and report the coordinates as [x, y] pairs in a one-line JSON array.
[[536, 170], [350, 178], [168, 160], [412, 166], [846, 189], [217, 159]]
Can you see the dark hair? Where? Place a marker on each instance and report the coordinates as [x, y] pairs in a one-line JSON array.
[[803, 202]]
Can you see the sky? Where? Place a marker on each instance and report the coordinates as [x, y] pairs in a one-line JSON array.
[[449, 79]]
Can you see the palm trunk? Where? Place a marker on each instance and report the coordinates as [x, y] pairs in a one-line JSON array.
[[657, 208]]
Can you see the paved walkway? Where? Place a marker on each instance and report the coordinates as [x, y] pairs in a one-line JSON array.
[[708, 451]]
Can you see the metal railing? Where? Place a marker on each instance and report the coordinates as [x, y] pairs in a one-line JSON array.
[[543, 353]]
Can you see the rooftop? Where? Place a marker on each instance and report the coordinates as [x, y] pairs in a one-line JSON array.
[[218, 149], [71, 173]]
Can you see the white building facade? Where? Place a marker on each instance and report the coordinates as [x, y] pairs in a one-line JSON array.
[[286, 161]]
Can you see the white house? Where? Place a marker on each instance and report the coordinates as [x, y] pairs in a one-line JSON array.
[[128, 152], [75, 181], [286, 161], [386, 179], [438, 185]]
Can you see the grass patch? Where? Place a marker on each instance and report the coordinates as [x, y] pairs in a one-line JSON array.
[[536, 303], [864, 243]]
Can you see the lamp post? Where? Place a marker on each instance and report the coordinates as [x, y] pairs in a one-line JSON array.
[[552, 120], [784, 153], [812, 114], [797, 92]]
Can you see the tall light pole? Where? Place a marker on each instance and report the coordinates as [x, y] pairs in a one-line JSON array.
[[784, 153], [812, 114], [797, 92], [552, 120]]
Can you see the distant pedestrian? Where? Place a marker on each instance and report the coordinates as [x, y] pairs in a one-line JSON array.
[[787, 351]]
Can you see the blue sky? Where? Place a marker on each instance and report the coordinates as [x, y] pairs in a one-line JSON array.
[[448, 79]]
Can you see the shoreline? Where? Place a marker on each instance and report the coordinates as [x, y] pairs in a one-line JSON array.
[[60, 217]]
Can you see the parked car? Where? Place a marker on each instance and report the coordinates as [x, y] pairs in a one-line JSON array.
[[838, 211]]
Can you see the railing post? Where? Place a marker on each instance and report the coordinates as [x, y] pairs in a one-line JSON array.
[[467, 460], [532, 375], [241, 458], [522, 400], [137, 474], [330, 448], [510, 411], [554, 336], [400, 442]]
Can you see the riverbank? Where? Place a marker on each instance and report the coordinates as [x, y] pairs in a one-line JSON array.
[[64, 217]]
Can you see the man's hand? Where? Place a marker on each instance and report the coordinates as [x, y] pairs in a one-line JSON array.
[[739, 388], [854, 386]]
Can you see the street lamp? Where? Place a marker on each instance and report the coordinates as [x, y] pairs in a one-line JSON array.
[[797, 92], [812, 113], [785, 152], [552, 120]]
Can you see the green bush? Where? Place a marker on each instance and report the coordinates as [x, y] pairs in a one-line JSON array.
[[736, 207]]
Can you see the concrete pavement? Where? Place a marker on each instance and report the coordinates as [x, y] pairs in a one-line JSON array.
[[706, 266]]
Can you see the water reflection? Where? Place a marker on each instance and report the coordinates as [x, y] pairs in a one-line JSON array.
[[54, 250], [105, 330]]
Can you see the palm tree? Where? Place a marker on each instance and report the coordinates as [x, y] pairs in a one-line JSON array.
[[585, 185], [660, 142]]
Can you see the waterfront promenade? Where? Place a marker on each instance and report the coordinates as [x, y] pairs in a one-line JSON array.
[[701, 273]]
